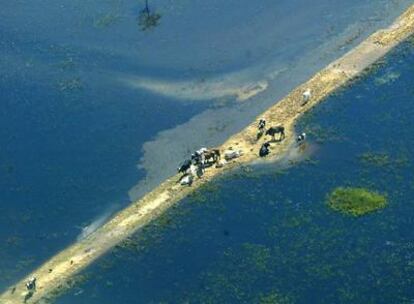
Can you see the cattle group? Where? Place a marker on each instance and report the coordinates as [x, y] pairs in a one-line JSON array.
[[203, 158]]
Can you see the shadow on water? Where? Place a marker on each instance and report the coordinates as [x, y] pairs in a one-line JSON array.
[[264, 234], [70, 137]]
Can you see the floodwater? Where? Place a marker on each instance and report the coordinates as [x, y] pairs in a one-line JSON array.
[[86, 97], [264, 233]]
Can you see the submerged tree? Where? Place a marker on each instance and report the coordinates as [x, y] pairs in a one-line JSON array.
[[148, 19]]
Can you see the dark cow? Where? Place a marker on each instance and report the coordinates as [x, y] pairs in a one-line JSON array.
[[272, 131], [184, 166], [212, 155], [264, 149]]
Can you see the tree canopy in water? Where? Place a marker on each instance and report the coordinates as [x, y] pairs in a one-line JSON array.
[[148, 19]]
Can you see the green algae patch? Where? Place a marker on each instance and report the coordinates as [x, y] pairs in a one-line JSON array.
[[356, 201], [375, 159], [274, 298]]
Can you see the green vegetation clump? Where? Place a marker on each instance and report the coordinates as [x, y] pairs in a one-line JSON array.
[[274, 298], [356, 201], [383, 160], [206, 193], [376, 159], [322, 134]]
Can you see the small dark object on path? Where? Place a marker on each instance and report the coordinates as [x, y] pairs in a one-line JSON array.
[[264, 149], [31, 283], [212, 155], [184, 166], [272, 131], [261, 128]]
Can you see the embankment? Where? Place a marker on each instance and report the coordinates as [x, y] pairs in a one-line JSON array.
[[56, 272]]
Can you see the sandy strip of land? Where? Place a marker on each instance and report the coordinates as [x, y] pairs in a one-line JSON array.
[[53, 275]]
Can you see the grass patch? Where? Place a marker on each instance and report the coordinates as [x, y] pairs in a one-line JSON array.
[[355, 201]]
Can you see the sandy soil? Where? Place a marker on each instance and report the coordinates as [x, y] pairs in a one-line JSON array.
[[55, 273]]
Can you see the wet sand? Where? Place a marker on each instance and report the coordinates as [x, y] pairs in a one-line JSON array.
[[56, 272]]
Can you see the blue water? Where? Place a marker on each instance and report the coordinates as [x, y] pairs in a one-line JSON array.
[[264, 234], [71, 132], [67, 155]]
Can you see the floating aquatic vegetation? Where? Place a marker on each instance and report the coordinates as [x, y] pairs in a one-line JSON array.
[[68, 85], [106, 20], [205, 193], [295, 221], [257, 255], [245, 274], [375, 159], [387, 78], [322, 134], [234, 276], [273, 298], [383, 160], [356, 201]]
